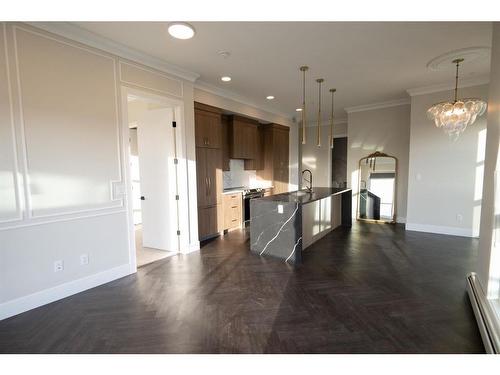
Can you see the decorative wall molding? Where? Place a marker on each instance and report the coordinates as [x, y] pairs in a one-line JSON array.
[[114, 203], [74, 32], [17, 184], [467, 82], [155, 73], [336, 121], [43, 297], [204, 86], [437, 229], [379, 105]]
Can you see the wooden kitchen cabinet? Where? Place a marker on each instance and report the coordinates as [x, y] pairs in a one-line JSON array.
[[225, 143], [275, 157], [209, 176], [243, 138], [208, 126], [257, 162], [232, 208], [209, 221], [208, 135]]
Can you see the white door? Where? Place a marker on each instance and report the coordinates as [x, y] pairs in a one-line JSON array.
[[155, 139]]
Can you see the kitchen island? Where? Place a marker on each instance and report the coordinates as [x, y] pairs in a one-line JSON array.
[[283, 225]]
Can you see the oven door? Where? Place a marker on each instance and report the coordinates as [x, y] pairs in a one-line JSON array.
[[246, 204]]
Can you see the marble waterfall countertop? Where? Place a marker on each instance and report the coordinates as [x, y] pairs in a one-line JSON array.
[[304, 196], [282, 225]]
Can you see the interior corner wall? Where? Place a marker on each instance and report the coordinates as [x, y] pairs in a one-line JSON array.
[[445, 176], [215, 100], [386, 130], [65, 165]]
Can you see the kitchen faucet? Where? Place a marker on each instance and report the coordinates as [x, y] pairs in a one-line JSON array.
[[310, 181]]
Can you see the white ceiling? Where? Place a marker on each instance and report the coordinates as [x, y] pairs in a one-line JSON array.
[[367, 62]]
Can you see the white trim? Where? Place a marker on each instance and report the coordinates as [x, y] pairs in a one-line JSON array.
[[212, 89], [114, 202], [453, 231], [152, 72], [378, 105], [43, 221], [43, 297], [76, 33], [192, 248], [17, 185], [468, 82]]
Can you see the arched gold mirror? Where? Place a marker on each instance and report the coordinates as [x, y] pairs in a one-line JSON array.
[[377, 188]]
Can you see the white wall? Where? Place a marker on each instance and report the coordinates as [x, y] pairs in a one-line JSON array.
[[445, 177], [386, 130], [488, 267], [65, 167], [319, 159]]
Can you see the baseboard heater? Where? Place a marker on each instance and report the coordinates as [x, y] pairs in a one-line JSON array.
[[485, 318]]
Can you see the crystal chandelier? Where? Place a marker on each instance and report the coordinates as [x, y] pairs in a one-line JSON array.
[[454, 117]]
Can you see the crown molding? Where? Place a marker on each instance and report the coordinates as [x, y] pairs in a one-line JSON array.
[[78, 34], [467, 82], [212, 89], [379, 105]]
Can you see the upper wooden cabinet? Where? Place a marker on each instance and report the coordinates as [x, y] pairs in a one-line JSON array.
[[243, 138], [275, 159], [208, 126]]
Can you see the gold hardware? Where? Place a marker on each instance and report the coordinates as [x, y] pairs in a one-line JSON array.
[[318, 133], [304, 69], [331, 120]]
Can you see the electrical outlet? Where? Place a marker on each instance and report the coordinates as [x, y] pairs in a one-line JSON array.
[[280, 208], [84, 259], [58, 266], [460, 218]]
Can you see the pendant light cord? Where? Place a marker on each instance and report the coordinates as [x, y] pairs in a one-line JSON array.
[[456, 82]]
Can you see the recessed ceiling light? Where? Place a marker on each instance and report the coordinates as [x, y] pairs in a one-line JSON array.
[[298, 110], [181, 30], [269, 97], [225, 79]]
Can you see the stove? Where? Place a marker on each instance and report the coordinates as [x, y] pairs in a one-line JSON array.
[[249, 194]]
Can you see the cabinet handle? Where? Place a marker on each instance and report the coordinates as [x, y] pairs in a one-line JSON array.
[[206, 186], [234, 206], [209, 185], [234, 220]]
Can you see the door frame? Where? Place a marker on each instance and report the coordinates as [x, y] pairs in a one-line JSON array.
[[181, 170]]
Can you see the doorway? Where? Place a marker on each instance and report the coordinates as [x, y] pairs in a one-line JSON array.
[[153, 177], [339, 162]]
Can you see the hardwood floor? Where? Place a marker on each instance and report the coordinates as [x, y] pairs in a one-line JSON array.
[[371, 289]]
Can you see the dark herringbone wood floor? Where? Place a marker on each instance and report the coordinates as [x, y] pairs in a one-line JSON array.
[[371, 289]]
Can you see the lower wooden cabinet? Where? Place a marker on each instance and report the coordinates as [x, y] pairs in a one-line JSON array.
[[209, 221], [232, 208]]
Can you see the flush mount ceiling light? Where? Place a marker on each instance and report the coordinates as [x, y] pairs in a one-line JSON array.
[[269, 97], [454, 117], [181, 30], [298, 110], [225, 79]]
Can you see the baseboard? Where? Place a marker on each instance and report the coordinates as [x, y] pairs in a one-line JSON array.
[[452, 231], [487, 321], [43, 297], [191, 248]]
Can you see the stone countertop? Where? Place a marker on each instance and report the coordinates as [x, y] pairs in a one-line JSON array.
[[241, 189], [303, 196]]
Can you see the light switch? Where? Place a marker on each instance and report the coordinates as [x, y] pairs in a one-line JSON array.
[[280, 208]]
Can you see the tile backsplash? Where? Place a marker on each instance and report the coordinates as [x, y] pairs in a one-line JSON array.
[[237, 176]]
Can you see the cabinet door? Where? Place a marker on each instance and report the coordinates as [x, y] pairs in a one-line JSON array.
[[201, 176], [214, 176], [208, 129]]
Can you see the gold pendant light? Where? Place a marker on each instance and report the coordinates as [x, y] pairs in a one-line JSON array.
[[318, 133], [303, 69], [331, 120]]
